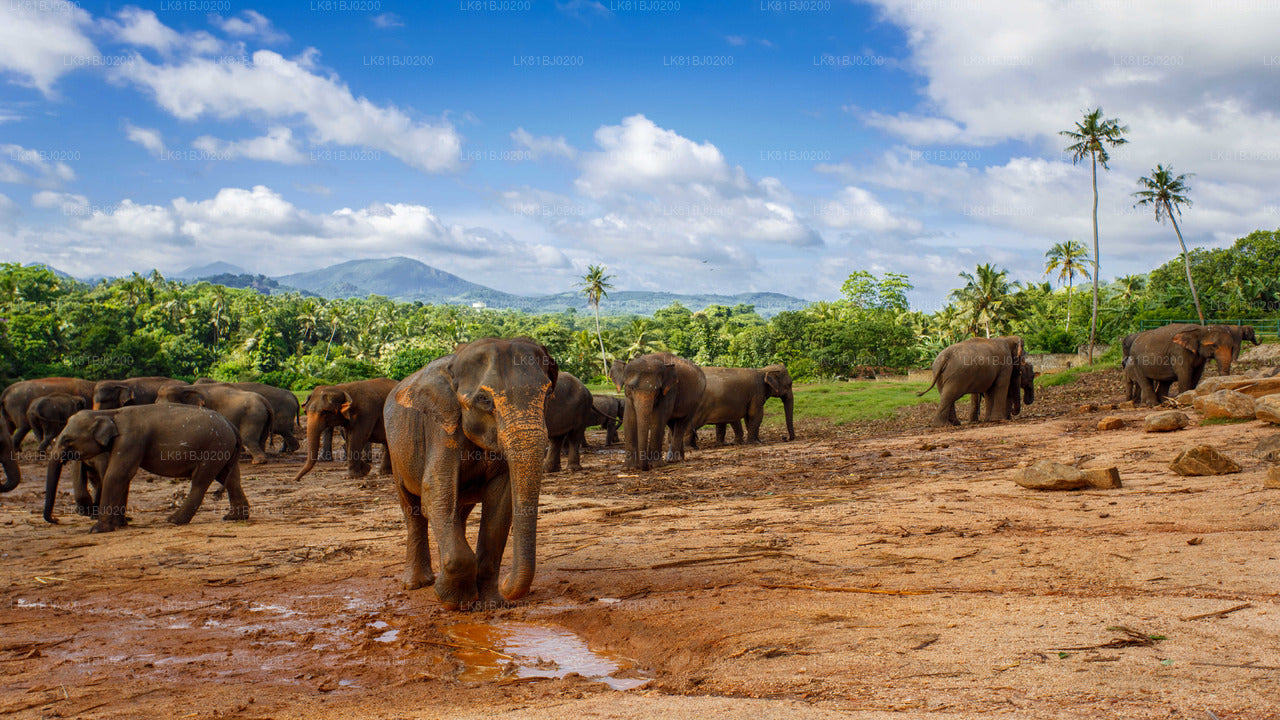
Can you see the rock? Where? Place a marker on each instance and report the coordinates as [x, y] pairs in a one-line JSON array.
[[1253, 387], [1050, 475], [1273, 478], [1186, 398], [1226, 404], [1267, 408], [1268, 448], [1111, 422], [1087, 408], [1214, 384], [1165, 421], [1203, 460], [1126, 405], [1103, 478]]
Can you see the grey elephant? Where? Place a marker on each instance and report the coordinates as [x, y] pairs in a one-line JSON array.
[[569, 411], [248, 412], [737, 395], [663, 391], [170, 440], [16, 398], [1178, 352], [12, 475], [47, 416], [470, 429], [608, 412], [355, 408], [284, 406], [982, 366], [112, 394]]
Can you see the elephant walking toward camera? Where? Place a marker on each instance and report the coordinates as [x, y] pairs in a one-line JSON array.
[[49, 414], [170, 440], [356, 409], [663, 391], [248, 412], [982, 366], [470, 429]]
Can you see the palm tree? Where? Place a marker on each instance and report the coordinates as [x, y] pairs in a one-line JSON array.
[[595, 285], [643, 336], [1068, 260], [1092, 136], [1167, 193], [984, 298]]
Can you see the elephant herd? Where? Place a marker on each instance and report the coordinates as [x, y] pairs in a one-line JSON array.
[[1154, 359]]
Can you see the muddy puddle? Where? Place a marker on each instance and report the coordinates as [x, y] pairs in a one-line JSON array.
[[518, 650]]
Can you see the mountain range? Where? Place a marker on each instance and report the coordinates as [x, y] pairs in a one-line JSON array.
[[408, 280]]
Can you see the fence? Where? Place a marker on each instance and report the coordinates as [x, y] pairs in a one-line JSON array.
[[1264, 327]]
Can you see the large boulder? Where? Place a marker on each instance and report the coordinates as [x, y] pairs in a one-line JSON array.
[[1253, 387], [1221, 382], [1203, 460], [1186, 399], [1165, 421], [1050, 475], [1268, 448], [1226, 404], [1267, 408]]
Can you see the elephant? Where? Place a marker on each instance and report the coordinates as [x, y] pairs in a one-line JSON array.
[[736, 394], [1178, 352], [569, 412], [356, 408], [49, 414], [248, 412], [284, 404], [112, 394], [18, 396], [470, 428], [12, 475], [983, 366], [662, 391], [170, 440], [608, 415]]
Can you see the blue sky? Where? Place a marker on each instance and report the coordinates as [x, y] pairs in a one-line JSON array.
[[688, 146]]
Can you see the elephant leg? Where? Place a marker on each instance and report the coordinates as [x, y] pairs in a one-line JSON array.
[[358, 449], [115, 495], [737, 432], [201, 478], [384, 467], [491, 540], [575, 441], [633, 444], [755, 419], [975, 415], [721, 430], [417, 571], [679, 428], [326, 445], [611, 432], [551, 460], [693, 438], [86, 504], [20, 430], [653, 446], [289, 442], [946, 414], [251, 437], [456, 583], [229, 478]]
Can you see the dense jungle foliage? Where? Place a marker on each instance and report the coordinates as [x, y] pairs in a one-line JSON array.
[[148, 325]]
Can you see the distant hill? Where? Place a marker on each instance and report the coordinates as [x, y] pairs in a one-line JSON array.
[[210, 270], [408, 280], [261, 283]]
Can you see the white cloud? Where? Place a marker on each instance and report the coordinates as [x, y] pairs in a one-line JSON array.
[[916, 128], [8, 210], [277, 145], [40, 42], [24, 166], [141, 28], [279, 88], [854, 207], [249, 24], [148, 138], [386, 21], [68, 203], [640, 156], [543, 146]]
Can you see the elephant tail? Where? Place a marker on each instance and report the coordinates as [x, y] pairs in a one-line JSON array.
[[936, 375]]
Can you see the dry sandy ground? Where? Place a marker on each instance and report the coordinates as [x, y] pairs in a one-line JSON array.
[[849, 573]]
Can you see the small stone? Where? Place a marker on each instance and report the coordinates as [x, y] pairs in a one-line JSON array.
[[1226, 404], [1103, 478], [1187, 398], [1203, 460], [1196, 541], [1111, 422], [1273, 478], [1165, 421], [1126, 405], [1050, 475], [1268, 448], [1267, 408], [885, 453], [1087, 408]]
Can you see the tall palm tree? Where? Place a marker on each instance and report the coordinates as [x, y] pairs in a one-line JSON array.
[[1091, 137], [1068, 260], [1167, 193], [595, 285], [985, 298], [642, 334]]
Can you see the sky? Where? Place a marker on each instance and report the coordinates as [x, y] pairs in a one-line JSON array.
[[771, 145]]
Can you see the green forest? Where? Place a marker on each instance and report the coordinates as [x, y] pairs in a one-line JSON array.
[[149, 325]]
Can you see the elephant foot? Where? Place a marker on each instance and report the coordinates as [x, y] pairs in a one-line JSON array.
[[237, 513], [258, 460], [491, 600], [414, 580], [102, 527], [178, 518]]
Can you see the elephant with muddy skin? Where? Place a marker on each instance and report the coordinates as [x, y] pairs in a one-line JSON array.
[[356, 409], [470, 429], [981, 366], [18, 397], [1177, 352], [735, 395], [49, 414], [248, 412], [168, 439], [663, 391]]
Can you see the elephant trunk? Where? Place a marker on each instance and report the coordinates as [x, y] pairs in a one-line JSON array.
[[788, 407], [315, 428], [12, 476], [1224, 355], [524, 443], [52, 475], [645, 421]]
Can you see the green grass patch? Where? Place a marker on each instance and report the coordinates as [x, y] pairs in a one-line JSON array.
[[845, 402], [1069, 376], [1225, 421]]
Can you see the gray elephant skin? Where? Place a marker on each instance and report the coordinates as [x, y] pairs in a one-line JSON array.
[[170, 440], [16, 398], [356, 409], [570, 411], [47, 416], [663, 391], [737, 395], [981, 366], [470, 428], [284, 404], [112, 394], [607, 414], [248, 412], [1179, 353]]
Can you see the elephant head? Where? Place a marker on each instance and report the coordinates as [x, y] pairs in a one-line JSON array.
[[87, 435], [1211, 341], [616, 371], [109, 395], [1022, 387], [777, 383], [649, 382], [325, 407], [185, 394], [492, 393]]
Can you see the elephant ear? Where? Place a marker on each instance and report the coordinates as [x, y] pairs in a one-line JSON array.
[[104, 431], [125, 396], [773, 379], [1189, 339], [433, 394], [192, 397], [616, 373], [348, 408], [669, 377], [549, 365]]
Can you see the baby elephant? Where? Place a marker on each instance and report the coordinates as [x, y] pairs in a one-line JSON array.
[[170, 440], [49, 414]]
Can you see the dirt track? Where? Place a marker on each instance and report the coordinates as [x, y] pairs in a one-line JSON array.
[[902, 573]]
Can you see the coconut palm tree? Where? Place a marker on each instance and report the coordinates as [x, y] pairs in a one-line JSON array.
[[985, 299], [1167, 193], [1068, 260], [1091, 137], [595, 285]]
